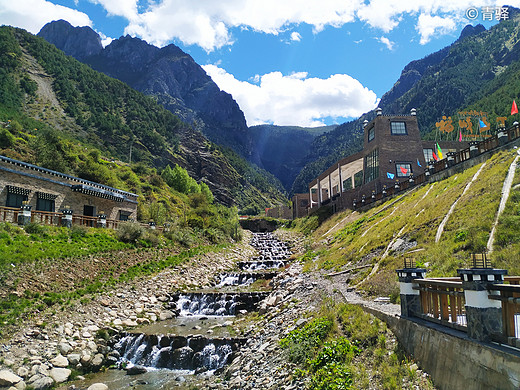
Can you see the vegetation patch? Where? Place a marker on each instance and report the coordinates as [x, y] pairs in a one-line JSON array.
[[345, 348]]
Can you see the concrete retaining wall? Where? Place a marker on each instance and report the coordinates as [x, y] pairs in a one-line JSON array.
[[453, 360]]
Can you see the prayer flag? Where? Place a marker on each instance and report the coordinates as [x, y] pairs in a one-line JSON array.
[[404, 171], [435, 156], [514, 108], [418, 163], [439, 152], [460, 136], [390, 175], [481, 123]]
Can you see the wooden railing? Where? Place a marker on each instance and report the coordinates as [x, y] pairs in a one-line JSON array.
[[510, 299], [10, 214], [442, 301]]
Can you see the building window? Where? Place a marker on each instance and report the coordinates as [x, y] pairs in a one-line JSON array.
[[428, 155], [15, 196], [15, 200], [347, 184], [45, 202], [398, 128], [403, 169], [372, 166], [45, 205], [124, 215], [371, 134], [358, 179]]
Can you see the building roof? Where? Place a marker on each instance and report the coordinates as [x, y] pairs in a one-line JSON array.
[[113, 193]]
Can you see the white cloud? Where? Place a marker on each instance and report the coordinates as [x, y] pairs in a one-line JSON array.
[[387, 42], [428, 26], [32, 15], [124, 8], [105, 41], [296, 99], [296, 37], [209, 23]]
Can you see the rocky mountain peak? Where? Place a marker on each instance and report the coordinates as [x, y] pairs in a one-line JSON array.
[[470, 30], [178, 82], [79, 42]]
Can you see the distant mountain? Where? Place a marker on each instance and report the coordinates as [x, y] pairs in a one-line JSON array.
[[168, 74], [281, 148], [48, 92], [440, 84]]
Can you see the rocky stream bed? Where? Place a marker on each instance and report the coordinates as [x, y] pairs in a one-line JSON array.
[[57, 347]]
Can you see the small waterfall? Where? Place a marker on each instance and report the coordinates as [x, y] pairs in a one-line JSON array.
[[260, 265], [176, 352], [208, 304], [236, 279], [214, 304]]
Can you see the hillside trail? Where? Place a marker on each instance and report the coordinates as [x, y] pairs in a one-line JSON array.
[[440, 230], [506, 190]]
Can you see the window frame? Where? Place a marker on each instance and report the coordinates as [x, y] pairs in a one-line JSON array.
[[371, 133], [399, 174], [395, 132]]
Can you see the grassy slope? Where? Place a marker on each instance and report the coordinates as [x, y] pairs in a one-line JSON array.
[[350, 239]]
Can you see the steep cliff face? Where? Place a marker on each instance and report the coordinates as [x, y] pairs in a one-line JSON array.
[[168, 73], [66, 39]]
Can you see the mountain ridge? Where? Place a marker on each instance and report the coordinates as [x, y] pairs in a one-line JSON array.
[[168, 74]]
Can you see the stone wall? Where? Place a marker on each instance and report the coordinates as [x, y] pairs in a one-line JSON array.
[[453, 360], [61, 187]]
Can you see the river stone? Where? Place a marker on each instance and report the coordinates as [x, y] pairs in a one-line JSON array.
[[60, 374], [85, 359], [98, 386], [60, 361], [64, 348], [8, 378], [73, 358], [42, 383], [128, 322], [19, 386], [97, 362], [136, 370], [22, 372], [165, 315]]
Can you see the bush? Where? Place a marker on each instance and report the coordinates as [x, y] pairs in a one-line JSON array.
[[7, 140], [333, 376], [34, 228], [301, 344], [129, 232]]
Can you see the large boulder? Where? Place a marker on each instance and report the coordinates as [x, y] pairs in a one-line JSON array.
[[8, 378], [60, 375]]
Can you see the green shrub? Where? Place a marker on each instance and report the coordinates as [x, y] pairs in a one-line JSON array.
[[336, 351], [129, 232], [34, 228], [7, 140], [301, 344], [332, 376]]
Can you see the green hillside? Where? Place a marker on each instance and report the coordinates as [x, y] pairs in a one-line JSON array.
[[67, 117], [407, 226]]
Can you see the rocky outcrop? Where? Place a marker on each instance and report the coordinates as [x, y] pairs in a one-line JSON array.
[[66, 38], [168, 73]]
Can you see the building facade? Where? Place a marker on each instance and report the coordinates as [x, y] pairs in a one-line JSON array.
[[49, 191], [393, 152]]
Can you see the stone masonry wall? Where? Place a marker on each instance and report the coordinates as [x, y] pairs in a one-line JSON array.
[[65, 196]]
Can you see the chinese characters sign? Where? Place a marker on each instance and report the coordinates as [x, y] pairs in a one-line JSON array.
[[467, 125]]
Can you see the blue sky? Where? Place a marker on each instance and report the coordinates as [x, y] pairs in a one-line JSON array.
[[286, 62]]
